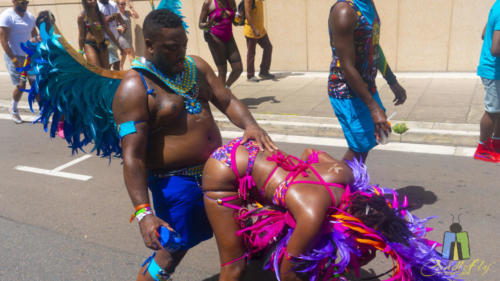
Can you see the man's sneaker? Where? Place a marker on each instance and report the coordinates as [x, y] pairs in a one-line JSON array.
[[253, 79], [495, 144], [486, 153], [14, 115], [267, 76]]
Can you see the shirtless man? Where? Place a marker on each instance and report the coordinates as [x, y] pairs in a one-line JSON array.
[[168, 133]]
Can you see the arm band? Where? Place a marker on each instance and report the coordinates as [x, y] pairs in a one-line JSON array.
[[127, 128]]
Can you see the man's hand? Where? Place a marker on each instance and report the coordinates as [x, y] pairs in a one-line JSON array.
[[18, 64], [380, 121], [260, 136], [149, 226], [255, 32], [399, 93]]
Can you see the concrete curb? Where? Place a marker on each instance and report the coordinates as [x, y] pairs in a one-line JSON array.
[[419, 132]]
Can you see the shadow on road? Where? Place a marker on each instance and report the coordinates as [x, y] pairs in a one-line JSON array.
[[255, 272], [252, 103], [417, 196]]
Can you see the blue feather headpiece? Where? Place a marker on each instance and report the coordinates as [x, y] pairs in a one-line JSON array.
[[174, 6]]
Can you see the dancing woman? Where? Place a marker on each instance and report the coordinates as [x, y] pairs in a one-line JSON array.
[[216, 19], [323, 217], [91, 30]]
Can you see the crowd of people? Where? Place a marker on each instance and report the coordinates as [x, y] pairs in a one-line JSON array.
[[316, 215]]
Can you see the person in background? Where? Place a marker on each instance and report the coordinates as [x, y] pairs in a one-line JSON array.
[[488, 148], [125, 31], [92, 29], [17, 26], [255, 33], [112, 18], [216, 19], [354, 27]]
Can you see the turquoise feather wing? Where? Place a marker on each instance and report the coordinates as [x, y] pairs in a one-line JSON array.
[[68, 86]]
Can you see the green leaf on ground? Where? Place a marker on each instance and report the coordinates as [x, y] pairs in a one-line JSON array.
[[400, 128]]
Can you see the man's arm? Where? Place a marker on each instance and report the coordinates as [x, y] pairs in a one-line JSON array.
[[495, 44], [4, 40], [342, 22], [248, 15], [385, 69], [233, 108], [112, 36], [484, 31], [130, 104]]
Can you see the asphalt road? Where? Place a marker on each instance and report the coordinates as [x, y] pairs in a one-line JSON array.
[[54, 228]]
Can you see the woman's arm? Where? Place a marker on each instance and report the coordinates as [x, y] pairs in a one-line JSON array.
[[81, 32], [133, 12], [204, 21]]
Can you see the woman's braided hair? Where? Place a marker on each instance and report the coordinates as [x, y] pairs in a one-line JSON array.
[[375, 213]]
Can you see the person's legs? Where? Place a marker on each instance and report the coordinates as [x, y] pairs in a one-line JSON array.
[[251, 44], [267, 48], [131, 55], [178, 201], [487, 127], [218, 50], [495, 139], [233, 55], [92, 53], [222, 219], [123, 58], [167, 262], [19, 85], [114, 59], [357, 125], [351, 154]]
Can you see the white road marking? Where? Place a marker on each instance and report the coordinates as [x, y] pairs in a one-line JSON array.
[[26, 118], [53, 173], [57, 171], [71, 163], [392, 146]]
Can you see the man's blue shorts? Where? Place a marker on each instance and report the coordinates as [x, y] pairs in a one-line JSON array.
[[178, 200], [356, 121]]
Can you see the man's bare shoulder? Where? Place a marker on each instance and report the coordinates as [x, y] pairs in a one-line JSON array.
[[343, 16], [131, 87]]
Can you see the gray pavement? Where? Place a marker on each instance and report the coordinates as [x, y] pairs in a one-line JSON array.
[[53, 228], [442, 108]]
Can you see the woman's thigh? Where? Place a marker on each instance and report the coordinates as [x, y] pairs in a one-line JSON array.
[[217, 49], [232, 52], [91, 54]]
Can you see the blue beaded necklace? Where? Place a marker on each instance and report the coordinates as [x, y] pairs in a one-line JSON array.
[[183, 84]]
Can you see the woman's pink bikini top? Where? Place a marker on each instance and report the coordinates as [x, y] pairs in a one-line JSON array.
[[290, 163], [223, 28]]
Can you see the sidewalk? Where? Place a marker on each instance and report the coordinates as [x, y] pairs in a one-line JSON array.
[[442, 108]]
